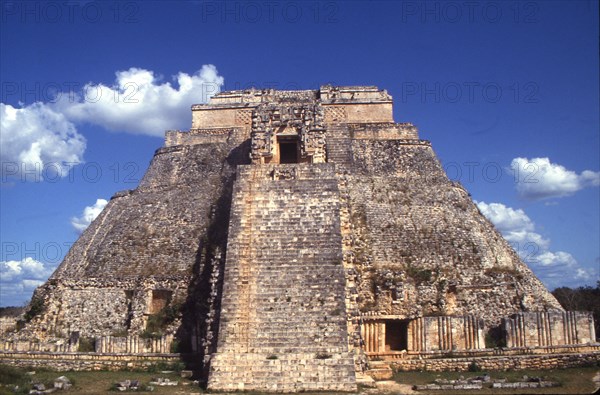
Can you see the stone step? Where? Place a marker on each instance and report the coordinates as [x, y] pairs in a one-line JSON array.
[[364, 380], [380, 370]]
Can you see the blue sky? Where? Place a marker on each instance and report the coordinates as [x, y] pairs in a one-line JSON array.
[[507, 92]]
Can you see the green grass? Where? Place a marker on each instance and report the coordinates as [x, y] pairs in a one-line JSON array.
[[12, 376], [572, 380], [90, 382]]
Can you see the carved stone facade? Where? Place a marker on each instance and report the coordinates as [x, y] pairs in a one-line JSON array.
[[547, 329], [388, 335], [302, 124], [284, 240]]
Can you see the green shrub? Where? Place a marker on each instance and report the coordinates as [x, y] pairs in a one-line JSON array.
[[20, 325], [119, 333], [336, 312], [175, 347], [175, 366], [165, 366], [420, 276], [11, 311], [87, 344], [473, 367], [157, 323], [495, 338], [149, 334], [323, 356], [36, 307]]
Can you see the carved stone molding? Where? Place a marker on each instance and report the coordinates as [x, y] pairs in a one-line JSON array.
[[284, 174], [302, 120]]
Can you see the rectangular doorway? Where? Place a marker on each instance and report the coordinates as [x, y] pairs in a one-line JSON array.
[[288, 150], [396, 335]]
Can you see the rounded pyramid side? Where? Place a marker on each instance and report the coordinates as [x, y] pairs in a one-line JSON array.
[[155, 229], [421, 246], [144, 251]]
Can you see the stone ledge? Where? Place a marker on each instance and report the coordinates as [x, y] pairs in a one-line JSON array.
[[488, 352], [516, 362], [86, 361]]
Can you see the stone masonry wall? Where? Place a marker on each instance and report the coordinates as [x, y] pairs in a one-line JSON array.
[[442, 333], [229, 135], [501, 363], [383, 131], [102, 345], [97, 306], [445, 333], [549, 329], [63, 362], [7, 324], [133, 345]]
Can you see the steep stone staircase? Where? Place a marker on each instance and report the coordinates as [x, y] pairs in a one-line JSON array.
[[283, 318]]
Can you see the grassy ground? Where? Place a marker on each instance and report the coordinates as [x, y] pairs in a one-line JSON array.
[[90, 382], [572, 381]]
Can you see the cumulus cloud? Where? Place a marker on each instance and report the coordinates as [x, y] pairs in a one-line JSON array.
[[89, 214], [538, 178], [37, 142], [41, 140], [19, 278], [515, 225], [553, 268], [561, 268], [140, 102], [27, 268]]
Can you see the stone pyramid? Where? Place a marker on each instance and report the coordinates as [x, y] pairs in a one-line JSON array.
[[285, 236]]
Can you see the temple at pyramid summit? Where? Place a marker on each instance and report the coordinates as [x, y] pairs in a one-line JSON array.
[[296, 241]]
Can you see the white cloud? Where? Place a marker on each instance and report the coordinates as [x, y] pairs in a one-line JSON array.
[[89, 214], [553, 258], [561, 269], [138, 102], [538, 178], [31, 285], [553, 268], [25, 268], [41, 141], [515, 225], [37, 142], [506, 218], [19, 278]]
